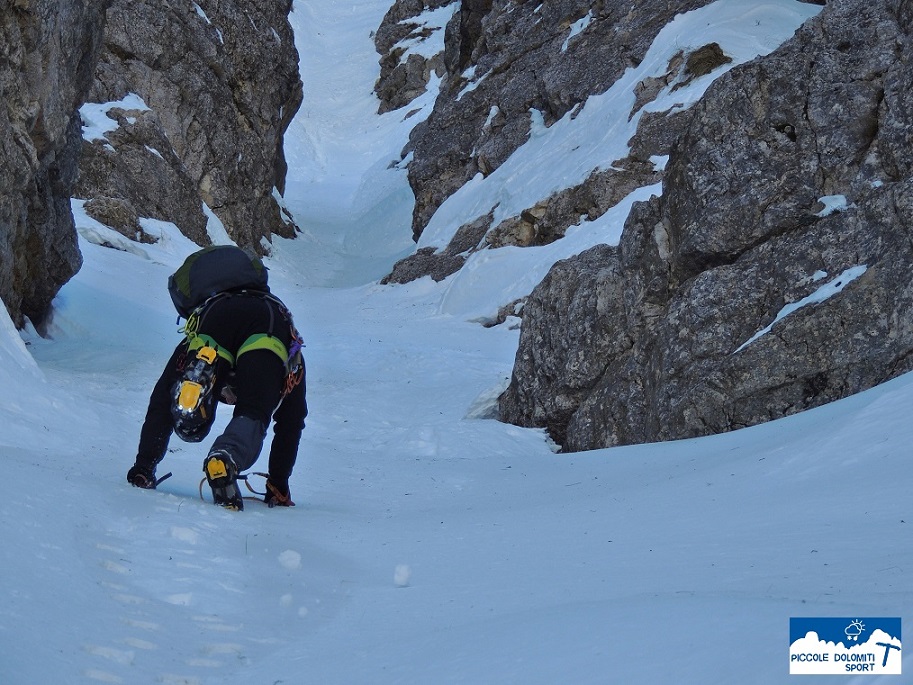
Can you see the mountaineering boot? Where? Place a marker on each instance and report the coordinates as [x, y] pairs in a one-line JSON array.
[[142, 477], [277, 496], [222, 475]]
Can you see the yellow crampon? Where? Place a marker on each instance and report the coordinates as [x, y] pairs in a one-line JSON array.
[[241, 476], [191, 392]]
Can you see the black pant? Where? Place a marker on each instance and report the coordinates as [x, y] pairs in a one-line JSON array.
[[258, 383]]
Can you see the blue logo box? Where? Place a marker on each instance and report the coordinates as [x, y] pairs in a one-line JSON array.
[[845, 646]]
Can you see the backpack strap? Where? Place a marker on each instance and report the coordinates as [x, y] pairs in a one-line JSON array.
[[293, 357]]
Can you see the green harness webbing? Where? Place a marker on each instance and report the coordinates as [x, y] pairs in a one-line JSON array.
[[258, 341], [265, 341], [196, 340]]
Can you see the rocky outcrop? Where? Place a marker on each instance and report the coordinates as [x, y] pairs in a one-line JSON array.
[[203, 93], [775, 272], [405, 73], [522, 59], [504, 59], [48, 50], [439, 264]]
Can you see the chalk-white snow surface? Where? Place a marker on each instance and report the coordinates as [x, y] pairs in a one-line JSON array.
[[431, 544]]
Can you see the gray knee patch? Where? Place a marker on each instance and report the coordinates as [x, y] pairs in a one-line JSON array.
[[242, 440]]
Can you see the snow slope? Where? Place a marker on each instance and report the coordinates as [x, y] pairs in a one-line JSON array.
[[430, 544]]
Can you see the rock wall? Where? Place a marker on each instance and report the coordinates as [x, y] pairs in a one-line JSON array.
[[48, 50], [217, 84], [517, 61], [774, 274], [503, 59], [405, 75], [204, 92]]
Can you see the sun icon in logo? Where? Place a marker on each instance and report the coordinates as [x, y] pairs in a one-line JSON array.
[[854, 630]]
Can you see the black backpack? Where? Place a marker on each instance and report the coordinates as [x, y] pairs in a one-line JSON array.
[[214, 270]]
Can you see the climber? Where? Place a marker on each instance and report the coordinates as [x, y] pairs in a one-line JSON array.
[[240, 347]]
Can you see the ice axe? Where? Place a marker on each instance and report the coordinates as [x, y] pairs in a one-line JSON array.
[[887, 650]]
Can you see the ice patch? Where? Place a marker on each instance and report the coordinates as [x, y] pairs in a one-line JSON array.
[[577, 28], [201, 13], [153, 151], [659, 162], [140, 644], [820, 295], [401, 575], [102, 676], [115, 567], [185, 535], [170, 679], [181, 599], [833, 203], [290, 559], [485, 406], [116, 655], [472, 84], [433, 22], [96, 122]]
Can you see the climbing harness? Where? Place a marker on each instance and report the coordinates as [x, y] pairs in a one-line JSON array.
[[291, 356]]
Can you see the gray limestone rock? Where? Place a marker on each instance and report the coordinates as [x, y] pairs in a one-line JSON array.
[[774, 273], [513, 57], [402, 79], [221, 83], [504, 59], [48, 49]]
